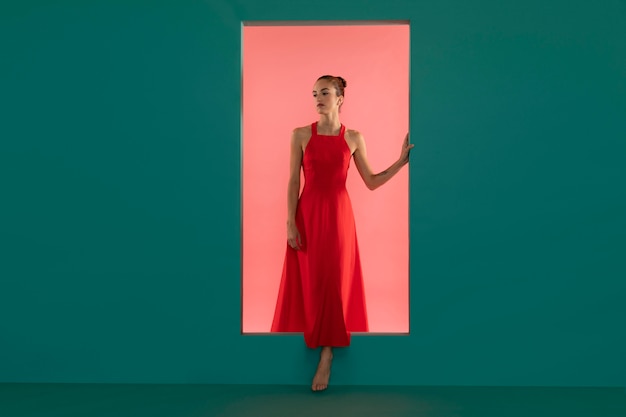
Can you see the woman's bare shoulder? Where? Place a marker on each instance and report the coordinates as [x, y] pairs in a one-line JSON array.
[[301, 133], [354, 135], [304, 130]]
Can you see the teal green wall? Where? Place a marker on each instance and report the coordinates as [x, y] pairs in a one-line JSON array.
[[120, 194]]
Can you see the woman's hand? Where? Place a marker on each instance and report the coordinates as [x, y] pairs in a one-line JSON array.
[[406, 150], [293, 236]]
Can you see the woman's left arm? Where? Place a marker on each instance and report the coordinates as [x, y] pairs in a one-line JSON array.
[[371, 180]]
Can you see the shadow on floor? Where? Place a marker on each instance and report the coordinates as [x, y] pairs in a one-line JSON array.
[[120, 400]]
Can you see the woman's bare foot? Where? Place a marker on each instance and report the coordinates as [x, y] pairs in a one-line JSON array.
[[322, 375]]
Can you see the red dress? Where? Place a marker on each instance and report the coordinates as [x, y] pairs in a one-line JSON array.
[[321, 291]]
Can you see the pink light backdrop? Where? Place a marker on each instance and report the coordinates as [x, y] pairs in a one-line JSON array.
[[280, 66]]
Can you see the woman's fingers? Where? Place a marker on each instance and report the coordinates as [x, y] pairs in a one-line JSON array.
[[406, 142], [296, 242]]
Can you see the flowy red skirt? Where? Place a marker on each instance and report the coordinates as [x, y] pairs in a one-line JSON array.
[[321, 291]]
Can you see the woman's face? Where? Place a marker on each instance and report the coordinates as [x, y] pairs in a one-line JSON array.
[[325, 96]]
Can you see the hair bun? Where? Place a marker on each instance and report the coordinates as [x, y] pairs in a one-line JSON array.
[[343, 82]]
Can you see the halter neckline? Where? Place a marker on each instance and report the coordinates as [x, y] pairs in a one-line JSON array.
[[315, 132]]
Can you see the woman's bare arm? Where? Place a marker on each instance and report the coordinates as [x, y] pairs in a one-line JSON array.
[[371, 180], [293, 188]]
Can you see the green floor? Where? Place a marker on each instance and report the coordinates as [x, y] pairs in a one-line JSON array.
[[97, 400]]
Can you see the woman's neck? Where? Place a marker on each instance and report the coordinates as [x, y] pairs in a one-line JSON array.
[[328, 124]]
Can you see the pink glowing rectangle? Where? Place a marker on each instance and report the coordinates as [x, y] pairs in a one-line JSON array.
[[280, 66]]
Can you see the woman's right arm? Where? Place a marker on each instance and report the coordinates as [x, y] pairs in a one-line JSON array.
[[293, 190]]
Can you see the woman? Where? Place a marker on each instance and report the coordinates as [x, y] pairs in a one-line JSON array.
[[321, 291]]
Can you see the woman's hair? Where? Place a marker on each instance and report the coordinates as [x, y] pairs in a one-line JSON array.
[[338, 82]]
